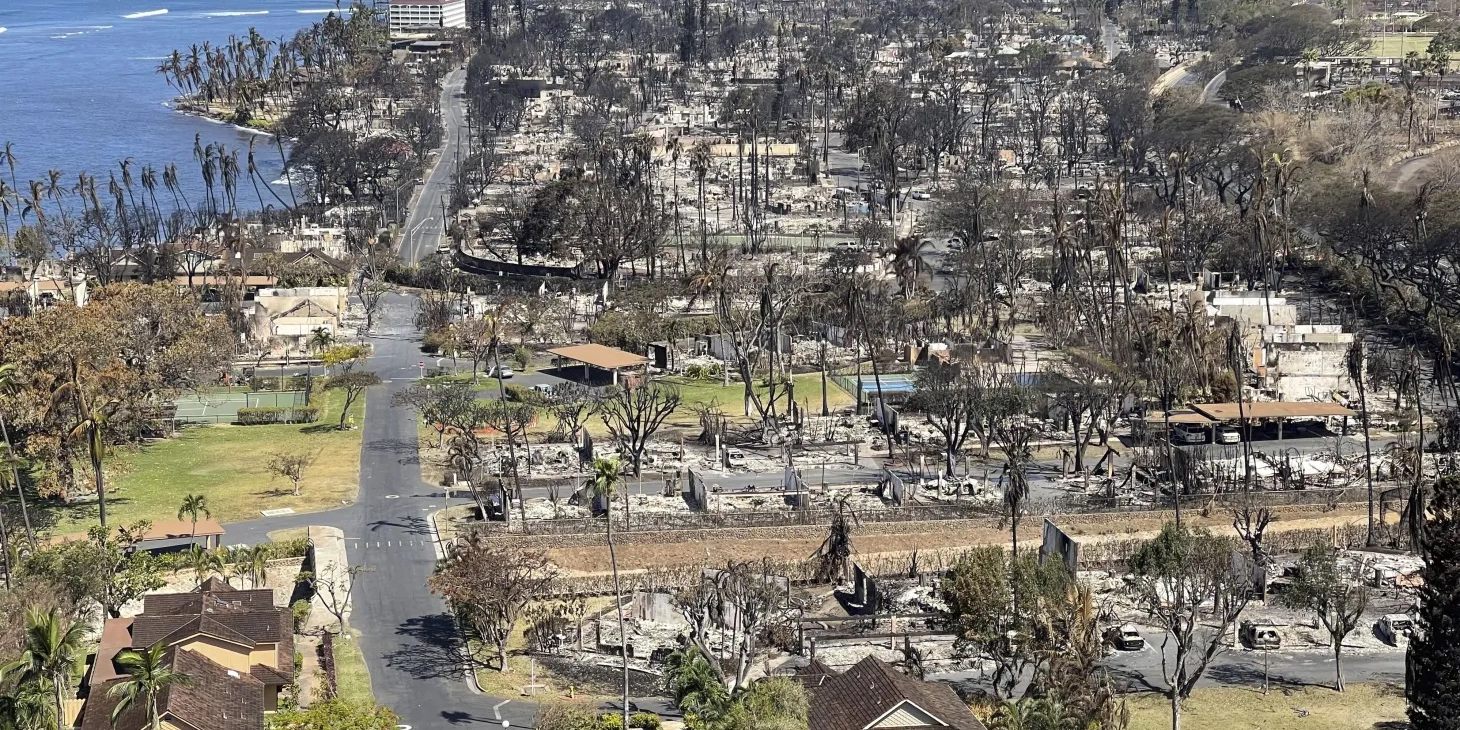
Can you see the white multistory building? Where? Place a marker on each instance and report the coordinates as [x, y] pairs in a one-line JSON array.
[[417, 15]]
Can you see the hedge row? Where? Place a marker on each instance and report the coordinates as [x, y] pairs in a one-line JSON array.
[[295, 548], [524, 394], [271, 415]]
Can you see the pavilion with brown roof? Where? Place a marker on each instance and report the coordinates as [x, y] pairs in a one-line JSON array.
[[1278, 411], [602, 357]]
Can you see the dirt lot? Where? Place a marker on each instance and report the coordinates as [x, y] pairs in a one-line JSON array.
[[700, 550]]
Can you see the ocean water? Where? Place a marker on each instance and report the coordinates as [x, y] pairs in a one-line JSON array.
[[79, 89]]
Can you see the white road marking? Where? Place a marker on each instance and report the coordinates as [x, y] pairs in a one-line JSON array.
[[497, 709]]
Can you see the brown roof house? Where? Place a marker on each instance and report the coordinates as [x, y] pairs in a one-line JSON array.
[[874, 696], [235, 646]]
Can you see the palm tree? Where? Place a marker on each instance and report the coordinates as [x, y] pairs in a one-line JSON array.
[[907, 261], [1017, 455], [90, 425], [206, 563], [835, 553], [7, 155], [699, 162], [1355, 365], [192, 506], [6, 208], [148, 674], [53, 646], [255, 562], [9, 458], [604, 483], [28, 707], [320, 340], [693, 682]]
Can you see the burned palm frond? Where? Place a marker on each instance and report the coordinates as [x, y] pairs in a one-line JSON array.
[[835, 553]]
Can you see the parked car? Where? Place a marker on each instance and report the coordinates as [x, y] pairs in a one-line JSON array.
[[1186, 433], [735, 457], [1125, 638], [1260, 635], [920, 194], [492, 372], [1393, 627], [543, 388], [1229, 435]]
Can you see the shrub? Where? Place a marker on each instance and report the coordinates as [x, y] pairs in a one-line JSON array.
[[702, 372], [524, 394], [300, 611], [645, 720], [269, 415], [434, 342], [296, 548], [522, 357]]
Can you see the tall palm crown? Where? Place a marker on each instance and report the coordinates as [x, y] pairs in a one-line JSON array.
[[148, 674], [605, 479], [192, 506], [53, 646]]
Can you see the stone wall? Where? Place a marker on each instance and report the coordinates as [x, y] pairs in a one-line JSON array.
[[326, 559], [1087, 520]]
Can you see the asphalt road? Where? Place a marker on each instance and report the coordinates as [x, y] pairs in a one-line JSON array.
[[1141, 671], [408, 637], [1110, 39], [425, 227]]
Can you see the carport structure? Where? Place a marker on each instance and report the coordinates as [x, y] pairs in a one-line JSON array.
[[1277, 411], [600, 357]]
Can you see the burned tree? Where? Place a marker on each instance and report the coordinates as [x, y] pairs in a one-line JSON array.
[[1184, 582], [835, 552], [751, 312], [490, 584], [1334, 592], [951, 397], [634, 413]]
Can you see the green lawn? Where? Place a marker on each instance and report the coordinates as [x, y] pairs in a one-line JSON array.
[[1396, 45], [1360, 707], [351, 675], [731, 399], [226, 463], [484, 384]]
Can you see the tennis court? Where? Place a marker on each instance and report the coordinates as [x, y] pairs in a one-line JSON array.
[[222, 407], [896, 387]]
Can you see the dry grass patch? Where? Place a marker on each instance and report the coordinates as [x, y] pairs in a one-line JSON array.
[[700, 548], [1361, 707]]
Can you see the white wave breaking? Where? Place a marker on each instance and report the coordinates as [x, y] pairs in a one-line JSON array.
[[234, 13], [145, 14], [87, 30], [3, 29]]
